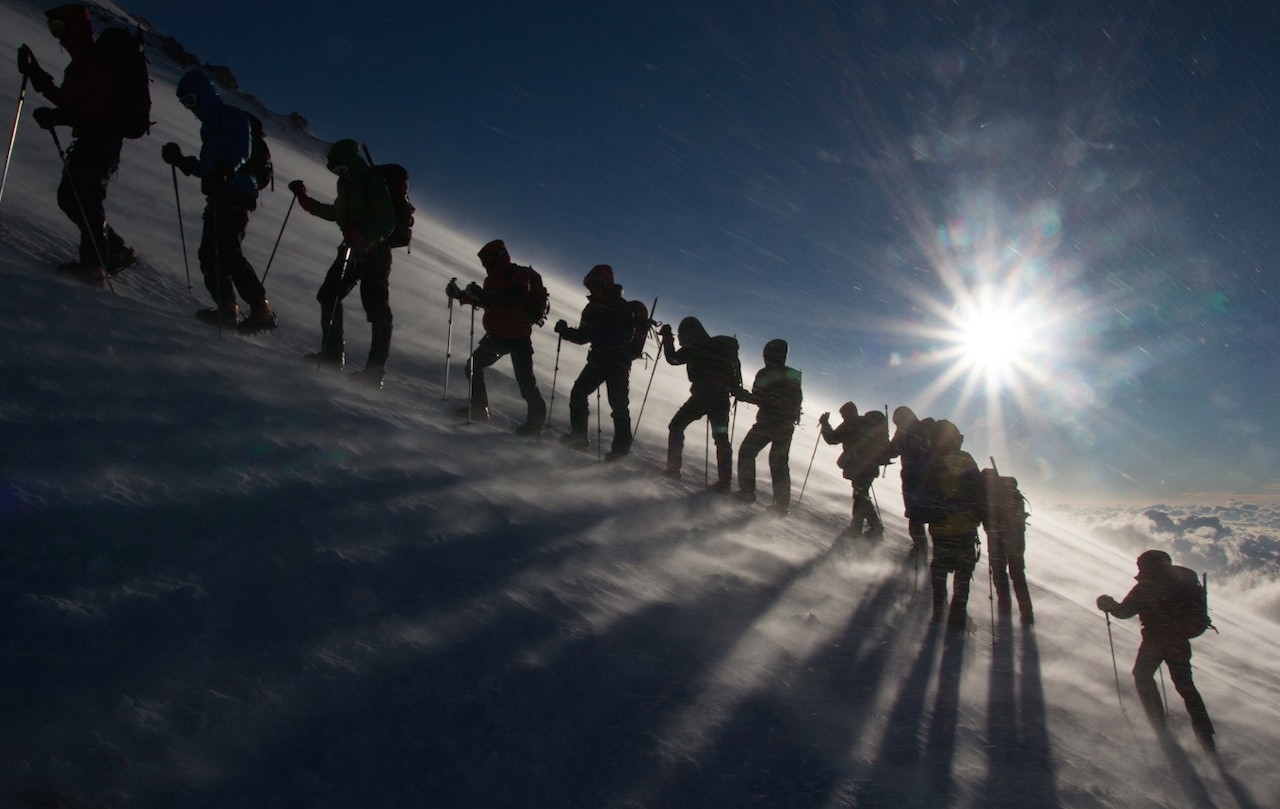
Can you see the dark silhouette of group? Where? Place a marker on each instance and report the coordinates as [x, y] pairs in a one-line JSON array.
[[946, 497]]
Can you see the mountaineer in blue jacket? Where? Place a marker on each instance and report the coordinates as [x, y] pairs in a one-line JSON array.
[[231, 192]]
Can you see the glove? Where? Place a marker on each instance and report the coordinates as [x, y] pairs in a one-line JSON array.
[[451, 289], [665, 331], [171, 153], [561, 326], [300, 192], [354, 237], [47, 117], [475, 290], [1106, 603], [824, 418], [27, 64]]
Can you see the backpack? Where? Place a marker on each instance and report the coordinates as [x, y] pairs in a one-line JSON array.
[[1188, 603], [1006, 511], [874, 444], [951, 484], [537, 305], [259, 162], [124, 52], [725, 369], [396, 177], [868, 449], [639, 331]]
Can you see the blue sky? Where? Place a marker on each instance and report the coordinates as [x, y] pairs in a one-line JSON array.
[[857, 179]]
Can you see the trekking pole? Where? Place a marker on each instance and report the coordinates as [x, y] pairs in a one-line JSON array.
[[554, 375], [884, 468], [1114, 669], [875, 503], [448, 344], [471, 371], [991, 601], [84, 215], [272, 257], [599, 452], [217, 267], [182, 232], [652, 374], [812, 455], [706, 454], [333, 310], [13, 134]]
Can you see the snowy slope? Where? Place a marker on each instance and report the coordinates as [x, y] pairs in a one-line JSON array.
[[229, 580]]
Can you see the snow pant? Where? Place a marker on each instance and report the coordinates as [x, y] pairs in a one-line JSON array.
[[1176, 656], [864, 508], [911, 497], [371, 270], [615, 375], [490, 350], [221, 255], [1005, 553], [778, 438], [715, 406], [953, 554], [91, 161]]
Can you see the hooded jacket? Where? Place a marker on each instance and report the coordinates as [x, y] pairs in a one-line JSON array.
[[226, 140], [90, 89], [363, 201], [910, 442], [607, 323], [776, 389], [713, 361], [1152, 599]]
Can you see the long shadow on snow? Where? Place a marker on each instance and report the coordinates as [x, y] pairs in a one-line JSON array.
[[227, 589], [894, 779], [485, 722], [776, 749]]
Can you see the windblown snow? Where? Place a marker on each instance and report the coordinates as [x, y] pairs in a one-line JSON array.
[[229, 580]]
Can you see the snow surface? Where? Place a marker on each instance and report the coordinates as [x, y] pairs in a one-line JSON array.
[[229, 580]]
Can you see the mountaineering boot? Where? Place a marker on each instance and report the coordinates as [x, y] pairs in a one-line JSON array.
[[530, 429], [370, 377], [329, 361], [379, 350], [121, 258], [91, 273], [225, 315], [478, 413], [260, 318], [745, 495], [576, 440]]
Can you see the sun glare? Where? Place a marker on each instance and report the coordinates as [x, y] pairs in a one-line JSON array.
[[993, 339]]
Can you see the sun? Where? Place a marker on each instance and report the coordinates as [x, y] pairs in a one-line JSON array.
[[994, 341], [994, 337]]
